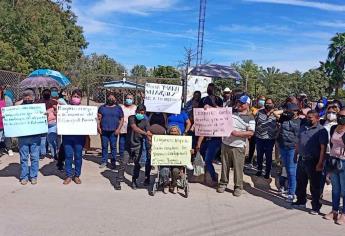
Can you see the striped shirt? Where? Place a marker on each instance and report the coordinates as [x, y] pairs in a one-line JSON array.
[[266, 126]]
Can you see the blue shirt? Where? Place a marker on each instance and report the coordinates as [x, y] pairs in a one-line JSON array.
[[111, 117], [178, 120]]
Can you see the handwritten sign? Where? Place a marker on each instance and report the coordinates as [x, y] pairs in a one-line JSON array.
[[77, 120], [171, 150], [25, 120], [163, 98], [213, 122]]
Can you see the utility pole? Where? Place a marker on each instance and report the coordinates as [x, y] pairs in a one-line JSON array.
[[201, 29]]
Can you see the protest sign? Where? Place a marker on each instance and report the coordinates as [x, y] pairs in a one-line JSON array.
[[171, 150], [24, 120], [77, 120], [213, 122], [163, 98], [197, 83]]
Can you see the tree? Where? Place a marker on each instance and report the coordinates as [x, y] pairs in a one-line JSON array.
[[139, 71], [39, 34], [166, 72], [315, 84]]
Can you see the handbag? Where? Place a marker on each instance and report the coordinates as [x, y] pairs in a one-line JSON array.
[[198, 165], [333, 164]]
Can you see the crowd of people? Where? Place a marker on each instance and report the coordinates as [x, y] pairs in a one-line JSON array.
[[308, 138]]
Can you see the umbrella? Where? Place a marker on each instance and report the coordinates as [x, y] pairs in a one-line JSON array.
[[39, 82], [216, 71], [59, 77]]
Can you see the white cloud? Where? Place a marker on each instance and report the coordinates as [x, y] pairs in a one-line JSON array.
[[332, 24], [301, 3], [139, 7]]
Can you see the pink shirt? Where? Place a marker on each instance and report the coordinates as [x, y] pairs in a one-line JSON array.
[[338, 147], [2, 104]]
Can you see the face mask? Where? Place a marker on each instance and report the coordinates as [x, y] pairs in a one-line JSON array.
[[139, 116], [55, 94], [341, 120], [46, 96], [269, 107], [129, 101], [261, 103], [75, 101], [320, 105], [28, 101], [110, 102], [331, 117], [308, 123]]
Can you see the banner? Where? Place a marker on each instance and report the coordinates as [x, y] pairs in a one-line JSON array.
[[171, 150], [25, 120], [213, 122], [163, 98], [77, 120], [197, 83]]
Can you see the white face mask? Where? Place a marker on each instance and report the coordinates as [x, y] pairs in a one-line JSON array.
[[320, 105], [331, 117]]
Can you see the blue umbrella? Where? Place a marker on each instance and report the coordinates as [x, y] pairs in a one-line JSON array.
[[59, 77]]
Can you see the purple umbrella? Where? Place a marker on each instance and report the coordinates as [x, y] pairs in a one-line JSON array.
[[39, 82]]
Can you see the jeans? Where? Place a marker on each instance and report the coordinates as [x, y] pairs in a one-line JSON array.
[[209, 151], [287, 156], [264, 147], [73, 146], [29, 146], [106, 138], [52, 139], [338, 188], [306, 171], [122, 144]]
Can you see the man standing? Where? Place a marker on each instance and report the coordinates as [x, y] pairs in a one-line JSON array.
[[310, 151], [233, 147], [226, 97]]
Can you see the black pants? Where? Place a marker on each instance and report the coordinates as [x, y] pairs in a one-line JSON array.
[[306, 171], [252, 144], [61, 157]]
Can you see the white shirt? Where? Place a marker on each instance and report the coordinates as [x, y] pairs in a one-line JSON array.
[[127, 112]]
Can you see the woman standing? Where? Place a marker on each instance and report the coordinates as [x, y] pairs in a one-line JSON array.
[[337, 156], [73, 147]]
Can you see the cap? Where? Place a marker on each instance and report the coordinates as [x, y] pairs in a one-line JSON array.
[[292, 107], [244, 99], [227, 90]]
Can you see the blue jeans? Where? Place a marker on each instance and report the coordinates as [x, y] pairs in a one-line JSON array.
[[122, 144], [73, 146], [287, 156], [338, 188], [264, 147], [51, 137], [209, 151], [106, 138], [29, 146]]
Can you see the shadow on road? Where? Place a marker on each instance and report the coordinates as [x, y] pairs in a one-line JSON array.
[[51, 170], [12, 170]]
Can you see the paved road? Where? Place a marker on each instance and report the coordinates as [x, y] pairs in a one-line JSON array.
[[95, 208]]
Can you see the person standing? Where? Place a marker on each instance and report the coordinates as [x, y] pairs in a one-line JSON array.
[[227, 97], [128, 109], [233, 147], [337, 157], [137, 132], [210, 146], [265, 135], [110, 116], [310, 152], [73, 147], [287, 141], [29, 147]]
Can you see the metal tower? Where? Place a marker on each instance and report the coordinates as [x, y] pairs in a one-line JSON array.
[[202, 13]]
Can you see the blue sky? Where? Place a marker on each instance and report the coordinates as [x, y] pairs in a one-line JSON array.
[[288, 34]]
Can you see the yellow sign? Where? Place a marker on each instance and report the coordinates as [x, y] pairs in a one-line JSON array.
[[171, 150]]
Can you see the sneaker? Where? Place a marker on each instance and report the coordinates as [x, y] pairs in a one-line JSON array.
[[282, 191], [259, 174], [147, 182], [314, 212], [77, 180], [290, 198], [221, 189], [103, 165], [68, 180], [250, 166], [134, 185], [341, 220], [333, 215], [23, 181], [299, 204], [34, 181], [172, 190], [10, 153], [237, 192], [190, 166]]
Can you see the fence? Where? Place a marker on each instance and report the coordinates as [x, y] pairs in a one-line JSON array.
[[11, 81]]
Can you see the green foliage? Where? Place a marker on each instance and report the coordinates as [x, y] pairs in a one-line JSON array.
[[38, 34], [166, 72], [139, 71]]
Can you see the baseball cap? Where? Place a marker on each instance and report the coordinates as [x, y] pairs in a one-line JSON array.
[[227, 90], [244, 99]]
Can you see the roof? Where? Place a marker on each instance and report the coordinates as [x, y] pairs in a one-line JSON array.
[[216, 71], [123, 84]]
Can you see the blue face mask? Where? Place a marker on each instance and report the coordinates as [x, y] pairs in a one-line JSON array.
[[139, 116], [54, 94], [129, 101], [261, 103]]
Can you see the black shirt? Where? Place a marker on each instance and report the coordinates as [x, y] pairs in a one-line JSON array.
[[213, 101], [133, 139]]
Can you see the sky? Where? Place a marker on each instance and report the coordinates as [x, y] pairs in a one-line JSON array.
[[288, 34]]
